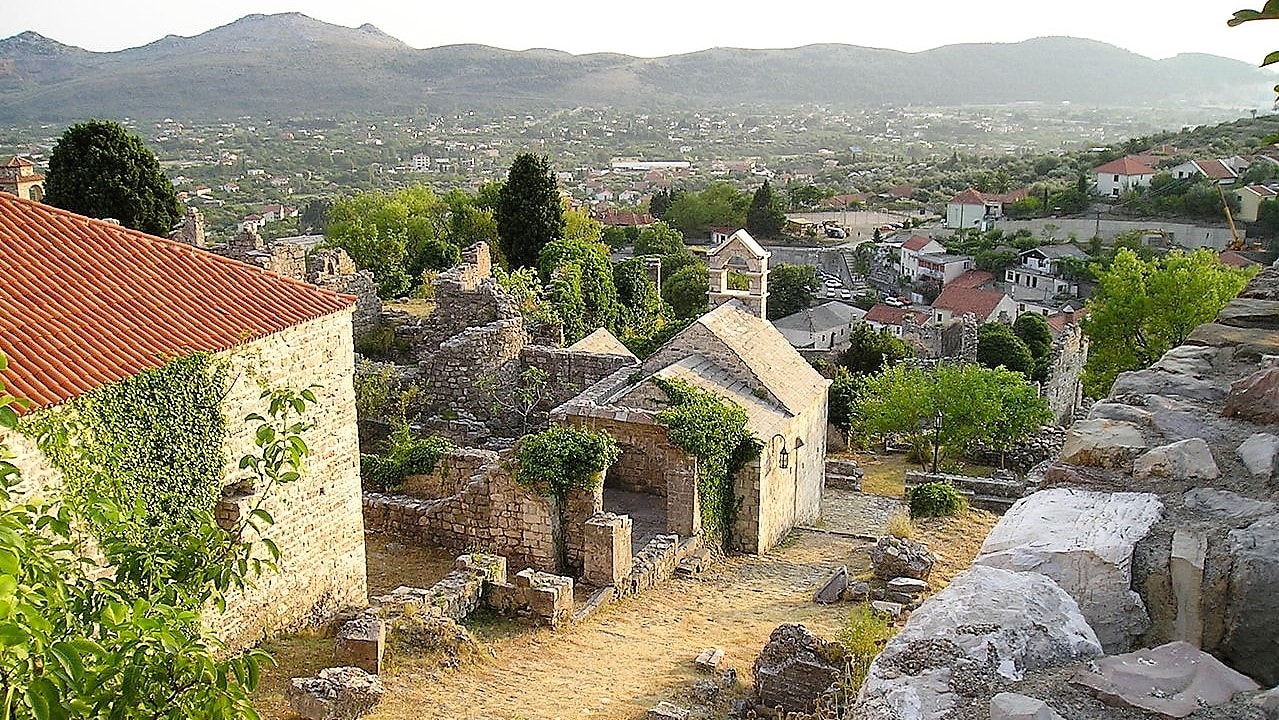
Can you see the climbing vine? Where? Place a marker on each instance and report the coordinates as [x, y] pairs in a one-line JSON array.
[[151, 444], [404, 454], [563, 458], [713, 430]]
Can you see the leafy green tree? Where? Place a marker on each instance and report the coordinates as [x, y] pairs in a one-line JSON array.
[[101, 170], [662, 201], [1143, 308], [844, 394], [998, 346], [642, 313], [587, 285], [1033, 330], [791, 288], [685, 290], [870, 352], [1269, 11], [765, 217], [530, 214], [804, 197], [75, 642], [720, 205], [396, 235], [975, 405], [659, 239], [314, 217]]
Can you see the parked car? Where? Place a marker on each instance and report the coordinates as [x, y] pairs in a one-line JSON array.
[[895, 302]]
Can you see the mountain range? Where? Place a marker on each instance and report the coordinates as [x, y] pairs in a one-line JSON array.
[[293, 65]]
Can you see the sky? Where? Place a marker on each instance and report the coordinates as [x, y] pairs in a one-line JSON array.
[[1155, 28]]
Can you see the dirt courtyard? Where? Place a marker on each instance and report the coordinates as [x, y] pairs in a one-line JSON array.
[[634, 653]]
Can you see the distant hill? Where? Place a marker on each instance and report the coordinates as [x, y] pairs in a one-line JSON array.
[[291, 64]]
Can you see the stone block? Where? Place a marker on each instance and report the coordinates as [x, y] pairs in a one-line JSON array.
[[894, 557], [1011, 706], [361, 643], [1182, 460], [1172, 680], [1084, 541], [988, 623], [907, 586], [491, 567], [794, 668], [1102, 443], [1252, 602], [607, 556], [834, 587], [1189, 548], [1258, 453], [709, 659], [337, 693]]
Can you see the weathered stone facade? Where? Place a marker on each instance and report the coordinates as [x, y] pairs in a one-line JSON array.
[[318, 523], [1064, 387]]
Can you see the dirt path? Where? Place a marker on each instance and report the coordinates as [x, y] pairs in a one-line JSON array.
[[639, 651]]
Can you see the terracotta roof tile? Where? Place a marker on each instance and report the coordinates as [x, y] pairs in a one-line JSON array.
[[973, 279], [1124, 166], [962, 300], [968, 197], [917, 242], [887, 315], [1215, 169], [84, 302]]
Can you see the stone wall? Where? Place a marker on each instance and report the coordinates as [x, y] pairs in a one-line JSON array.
[[1064, 388], [570, 371], [318, 525], [1158, 525], [451, 476]]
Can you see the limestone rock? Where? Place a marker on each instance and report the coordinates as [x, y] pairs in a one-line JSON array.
[[894, 557], [886, 608], [1268, 701], [361, 642], [795, 668], [1245, 342], [1011, 706], [1106, 410], [1102, 443], [1252, 605], [1182, 460], [709, 659], [337, 693], [1251, 313], [1255, 398], [987, 624], [907, 586], [1084, 541], [857, 592], [1156, 382], [1225, 505], [1172, 680], [1258, 453], [667, 711], [1193, 360]]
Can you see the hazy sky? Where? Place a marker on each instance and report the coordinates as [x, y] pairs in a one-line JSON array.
[[1156, 28]]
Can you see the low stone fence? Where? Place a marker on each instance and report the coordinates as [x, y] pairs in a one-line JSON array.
[[843, 473], [993, 493], [451, 475]]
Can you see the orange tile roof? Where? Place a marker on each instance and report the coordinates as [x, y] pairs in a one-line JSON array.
[[17, 161], [973, 279], [1215, 169], [887, 315], [84, 303], [1124, 166], [917, 242], [961, 300], [968, 197]]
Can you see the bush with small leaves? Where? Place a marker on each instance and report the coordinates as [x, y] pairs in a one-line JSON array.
[[936, 499]]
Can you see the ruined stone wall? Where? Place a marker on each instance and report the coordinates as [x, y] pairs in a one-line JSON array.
[[333, 269], [1157, 524], [451, 475], [570, 372], [1064, 388]]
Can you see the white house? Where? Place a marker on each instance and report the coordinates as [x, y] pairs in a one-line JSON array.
[[987, 305], [824, 327], [973, 209], [1119, 176], [1218, 170], [942, 266], [910, 251]]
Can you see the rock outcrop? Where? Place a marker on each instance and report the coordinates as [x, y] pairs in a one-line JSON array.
[[1172, 680]]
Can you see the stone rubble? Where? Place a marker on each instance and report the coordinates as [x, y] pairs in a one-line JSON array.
[[1172, 680], [709, 659], [894, 557], [337, 693], [1258, 453], [794, 668], [834, 588], [1182, 460]]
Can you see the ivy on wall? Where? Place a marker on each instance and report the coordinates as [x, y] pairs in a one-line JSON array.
[[713, 430], [152, 443], [564, 457]]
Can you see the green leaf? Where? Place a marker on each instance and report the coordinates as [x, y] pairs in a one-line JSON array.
[[12, 634], [262, 515], [1271, 59], [69, 658]]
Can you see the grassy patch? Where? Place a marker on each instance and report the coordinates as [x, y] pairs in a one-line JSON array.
[[955, 541], [300, 655]]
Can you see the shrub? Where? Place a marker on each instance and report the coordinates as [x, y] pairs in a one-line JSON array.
[[900, 526], [936, 499], [564, 457], [406, 454], [863, 636]]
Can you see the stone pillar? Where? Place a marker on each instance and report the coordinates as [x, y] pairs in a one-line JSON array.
[[360, 643], [607, 560], [683, 502]]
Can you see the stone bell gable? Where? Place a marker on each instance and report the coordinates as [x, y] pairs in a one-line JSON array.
[[739, 255]]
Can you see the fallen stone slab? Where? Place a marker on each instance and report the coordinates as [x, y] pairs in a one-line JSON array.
[[1102, 443], [834, 587], [709, 659], [1183, 460], [667, 711], [1172, 680], [907, 586], [337, 693], [1225, 505], [887, 608], [1258, 453], [1011, 706], [1247, 343], [1250, 313], [988, 623], [1084, 541], [361, 642]]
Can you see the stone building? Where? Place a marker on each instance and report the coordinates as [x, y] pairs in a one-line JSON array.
[[85, 303], [18, 177], [735, 352]]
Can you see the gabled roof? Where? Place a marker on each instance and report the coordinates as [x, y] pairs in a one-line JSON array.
[[1124, 166], [1259, 190], [17, 161], [962, 300], [1055, 252], [1215, 169], [1234, 258], [973, 279], [762, 417], [968, 197], [1011, 196], [826, 316], [84, 303], [917, 242], [602, 342], [743, 237]]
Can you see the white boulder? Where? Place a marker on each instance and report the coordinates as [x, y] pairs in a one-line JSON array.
[[1084, 541], [1258, 452], [1102, 443], [1182, 460]]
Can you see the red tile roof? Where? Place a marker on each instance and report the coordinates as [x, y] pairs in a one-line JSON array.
[[917, 242], [1235, 259], [1261, 190], [968, 197], [963, 300], [1059, 321], [1124, 166], [84, 303], [886, 315], [17, 161], [973, 279], [1215, 169]]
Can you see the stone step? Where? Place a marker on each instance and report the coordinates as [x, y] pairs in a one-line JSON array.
[[845, 482]]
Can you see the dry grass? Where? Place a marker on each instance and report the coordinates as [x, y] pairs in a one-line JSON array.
[[900, 525], [402, 564], [885, 473], [955, 542], [413, 306]]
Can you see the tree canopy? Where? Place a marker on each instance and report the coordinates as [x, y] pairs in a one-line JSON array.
[[530, 214], [1033, 330], [1143, 308], [791, 288], [101, 170], [998, 346], [720, 204], [659, 239], [870, 352], [685, 290], [765, 217]]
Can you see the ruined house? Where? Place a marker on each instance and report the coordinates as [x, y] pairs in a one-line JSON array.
[[734, 352], [85, 303]]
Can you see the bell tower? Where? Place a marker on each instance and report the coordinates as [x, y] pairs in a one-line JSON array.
[[736, 261]]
